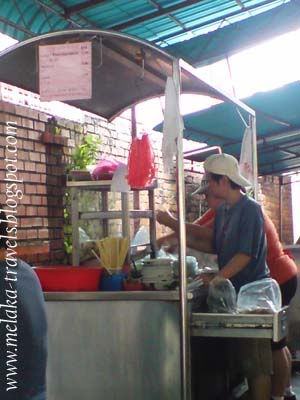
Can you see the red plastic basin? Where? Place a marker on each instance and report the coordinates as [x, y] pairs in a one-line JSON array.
[[69, 279]]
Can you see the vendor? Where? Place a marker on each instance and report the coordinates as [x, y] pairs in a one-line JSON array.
[[239, 241], [282, 268]]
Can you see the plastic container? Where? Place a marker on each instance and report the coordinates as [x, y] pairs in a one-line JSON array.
[[69, 279], [112, 283], [158, 273]]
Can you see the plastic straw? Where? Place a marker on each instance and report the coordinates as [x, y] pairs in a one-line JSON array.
[[102, 263]]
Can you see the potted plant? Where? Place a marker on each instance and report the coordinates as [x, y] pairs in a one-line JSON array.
[[52, 134], [83, 155]]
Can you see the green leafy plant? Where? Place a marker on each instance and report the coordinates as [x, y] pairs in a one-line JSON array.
[[85, 153]]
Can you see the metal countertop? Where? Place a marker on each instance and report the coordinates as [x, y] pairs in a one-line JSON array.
[[113, 296]]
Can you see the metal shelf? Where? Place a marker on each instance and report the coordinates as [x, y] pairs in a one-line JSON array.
[[103, 187], [264, 326]]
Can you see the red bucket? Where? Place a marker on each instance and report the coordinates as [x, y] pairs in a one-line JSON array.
[[69, 279]]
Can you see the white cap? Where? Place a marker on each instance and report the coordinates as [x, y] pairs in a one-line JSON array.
[[225, 164]]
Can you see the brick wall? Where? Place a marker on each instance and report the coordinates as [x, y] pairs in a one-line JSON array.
[[41, 167], [41, 172], [270, 186]]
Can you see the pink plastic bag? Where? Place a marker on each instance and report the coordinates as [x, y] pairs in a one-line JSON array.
[[141, 166], [105, 169]]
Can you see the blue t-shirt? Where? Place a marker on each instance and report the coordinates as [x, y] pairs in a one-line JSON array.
[[240, 229], [23, 334]]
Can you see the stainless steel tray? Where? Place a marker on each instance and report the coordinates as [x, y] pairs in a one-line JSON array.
[[265, 326]]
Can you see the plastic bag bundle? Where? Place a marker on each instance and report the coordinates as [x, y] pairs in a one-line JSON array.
[[105, 169], [261, 296], [221, 297], [141, 166]]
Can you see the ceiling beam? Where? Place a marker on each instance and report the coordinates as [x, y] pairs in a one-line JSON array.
[[214, 20], [17, 27], [62, 15], [49, 8], [155, 14], [202, 132], [82, 6], [174, 19]]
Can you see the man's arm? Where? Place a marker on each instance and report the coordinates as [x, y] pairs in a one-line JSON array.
[[234, 266], [201, 245], [193, 230]]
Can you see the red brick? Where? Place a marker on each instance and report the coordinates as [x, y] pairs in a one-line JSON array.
[[35, 157], [28, 145], [43, 233], [36, 200], [32, 211], [22, 133], [39, 126], [28, 123], [40, 168], [29, 166], [41, 189], [35, 178], [31, 234], [42, 211], [40, 147], [30, 189]]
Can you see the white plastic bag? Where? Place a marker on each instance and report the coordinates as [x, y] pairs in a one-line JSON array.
[[261, 296]]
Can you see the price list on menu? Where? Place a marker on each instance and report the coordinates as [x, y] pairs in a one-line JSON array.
[[65, 71]]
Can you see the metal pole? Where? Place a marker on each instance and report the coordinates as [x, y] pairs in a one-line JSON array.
[[252, 122], [184, 328], [280, 208]]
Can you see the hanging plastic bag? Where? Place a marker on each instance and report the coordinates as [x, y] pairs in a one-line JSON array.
[[261, 296], [141, 166], [221, 297]]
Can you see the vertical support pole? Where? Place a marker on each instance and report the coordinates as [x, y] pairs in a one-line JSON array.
[[125, 218], [252, 124], [184, 328], [136, 193], [75, 227], [125, 214], [152, 221], [280, 208], [104, 207]]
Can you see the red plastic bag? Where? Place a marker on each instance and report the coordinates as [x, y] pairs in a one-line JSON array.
[[141, 166]]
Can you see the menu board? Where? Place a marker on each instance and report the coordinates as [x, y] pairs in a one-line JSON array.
[[65, 71]]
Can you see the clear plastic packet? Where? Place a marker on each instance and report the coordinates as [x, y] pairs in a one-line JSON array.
[[261, 296], [221, 297]]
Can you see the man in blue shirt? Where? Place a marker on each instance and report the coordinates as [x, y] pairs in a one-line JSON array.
[[23, 325], [240, 243]]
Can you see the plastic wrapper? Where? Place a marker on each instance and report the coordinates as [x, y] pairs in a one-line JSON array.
[[105, 169], [261, 296], [222, 297], [199, 292]]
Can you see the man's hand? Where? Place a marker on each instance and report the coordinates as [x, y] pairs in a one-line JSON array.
[[167, 219], [207, 278]]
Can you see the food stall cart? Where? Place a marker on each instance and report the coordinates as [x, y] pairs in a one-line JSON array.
[[132, 345]]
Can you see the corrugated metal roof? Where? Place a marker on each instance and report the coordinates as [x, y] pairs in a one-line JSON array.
[[163, 22], [278, 128]]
